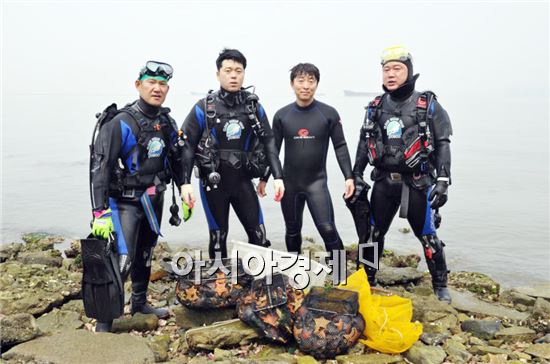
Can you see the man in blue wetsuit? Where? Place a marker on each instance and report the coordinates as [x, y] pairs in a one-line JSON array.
[[306, 126], [134, 157], [224, 131]]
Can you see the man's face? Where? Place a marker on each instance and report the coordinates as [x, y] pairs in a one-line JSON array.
[[304, 86], [394, 74], [152, 91], [231, 75]]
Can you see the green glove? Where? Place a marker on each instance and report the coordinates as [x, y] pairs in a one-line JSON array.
[[187, 210], [103, 224]]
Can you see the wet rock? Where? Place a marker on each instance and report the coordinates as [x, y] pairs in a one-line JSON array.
[[518, 355], [220, 335], [486, 349], [74, 250], [495, 342], [427, 309], [540, 290], [467, 302], [401, 261], [438, 322], [221, 354], [307, 359], [476, 341], [36, 288], [477, 283], [58, 320], [17, 329], [357, 349], [40, 241], [389, 276], [68, 347], [517, 298], [187, 318], [268, 351], [494, 358], [457, 352], [368, 359], [75, 306], [539, 351], [484, 329], [9, 251], [160, 345], [434, 338], [139, 322], [422, 354], [540, 317], [516, 334], [50, 258], [422, 291]]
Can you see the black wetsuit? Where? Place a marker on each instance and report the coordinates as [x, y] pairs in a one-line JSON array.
[[233, 137], [306, 132], [397, 127], [142, 141]]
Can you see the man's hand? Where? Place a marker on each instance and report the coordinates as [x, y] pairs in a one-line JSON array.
[[438, 197], [187, 195], [350, 188], [103, 224], [261, 188], [279, 189]]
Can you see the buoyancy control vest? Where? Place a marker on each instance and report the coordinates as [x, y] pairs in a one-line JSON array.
[[150, 157], [398, 136], [238, 151]]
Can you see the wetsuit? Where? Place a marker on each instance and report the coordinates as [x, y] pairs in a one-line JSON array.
[[397, 183], [233, 138], [142, 139], [306, 132]]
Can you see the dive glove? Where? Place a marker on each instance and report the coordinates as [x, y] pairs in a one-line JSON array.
[[438, 197], [103, 224], [187, 210]]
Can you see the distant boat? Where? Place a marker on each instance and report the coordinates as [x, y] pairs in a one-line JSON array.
[[360, 93]]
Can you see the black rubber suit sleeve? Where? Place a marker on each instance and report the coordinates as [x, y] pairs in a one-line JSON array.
[[105, 155], [442, 131], [341, 148], [193, 133], [271, 148], [361, 156], [278, 135]]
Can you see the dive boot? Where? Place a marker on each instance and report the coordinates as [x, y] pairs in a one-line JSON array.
[[104, 326], [443, 294], [435, 259], [139, 302]]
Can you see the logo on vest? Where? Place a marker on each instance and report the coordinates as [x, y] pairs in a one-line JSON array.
[[304, 134], [394, 128], [233, 129], [155, 147]]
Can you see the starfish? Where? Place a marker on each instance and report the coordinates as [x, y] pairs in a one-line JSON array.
[[220, 289], [270, 319], [191, 294], [352, 335]]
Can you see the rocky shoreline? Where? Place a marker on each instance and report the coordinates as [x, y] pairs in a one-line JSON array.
[[42, 318]]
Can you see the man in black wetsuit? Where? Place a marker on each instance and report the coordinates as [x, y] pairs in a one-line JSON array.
[[306, 126], [406, 137], [223, 131], [129, 174]]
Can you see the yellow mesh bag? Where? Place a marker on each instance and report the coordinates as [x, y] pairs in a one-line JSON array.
[[388, 325]]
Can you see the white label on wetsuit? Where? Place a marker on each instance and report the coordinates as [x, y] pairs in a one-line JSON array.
[[233, 129], [155, 147], [394, 128]]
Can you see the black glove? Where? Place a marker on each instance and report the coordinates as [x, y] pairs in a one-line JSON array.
[[438, 197]]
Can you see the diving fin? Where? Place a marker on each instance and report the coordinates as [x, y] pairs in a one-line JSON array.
[[102, 286]]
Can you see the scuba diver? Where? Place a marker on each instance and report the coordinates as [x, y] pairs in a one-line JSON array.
[[229, 138], [306, 126], [134, 157], [406, 137]]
